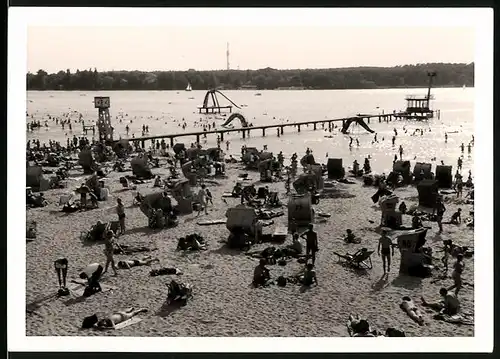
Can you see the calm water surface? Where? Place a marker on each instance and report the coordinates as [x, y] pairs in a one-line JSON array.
[[159, 109]]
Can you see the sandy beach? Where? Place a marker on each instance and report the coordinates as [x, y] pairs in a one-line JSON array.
[[224, 303]]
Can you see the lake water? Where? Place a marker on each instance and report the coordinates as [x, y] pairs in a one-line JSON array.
[[159, 110]]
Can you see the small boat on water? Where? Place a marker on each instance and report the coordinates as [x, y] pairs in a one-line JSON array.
[[190, 98], [189, 88], [258, 94]]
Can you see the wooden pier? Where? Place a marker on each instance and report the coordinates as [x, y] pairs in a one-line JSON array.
[[245, 131]]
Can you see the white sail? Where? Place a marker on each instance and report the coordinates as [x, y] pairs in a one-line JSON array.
[[188, 88]]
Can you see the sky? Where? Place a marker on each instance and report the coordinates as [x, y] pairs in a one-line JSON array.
[[177, 47]]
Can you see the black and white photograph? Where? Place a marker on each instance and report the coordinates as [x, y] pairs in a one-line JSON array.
[[243, 174]]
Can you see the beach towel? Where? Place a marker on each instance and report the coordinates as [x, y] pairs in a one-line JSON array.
[[127, 323], [463, 319], [211, 222]]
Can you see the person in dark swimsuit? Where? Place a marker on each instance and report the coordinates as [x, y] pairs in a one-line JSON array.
[[385, 243], [311, 243]]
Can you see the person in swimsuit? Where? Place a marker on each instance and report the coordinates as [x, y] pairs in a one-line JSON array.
[[456, 275], [385, 243], [108, 251], [456, 218], [440, 209], [120, 210], [93, 273], [127, 264], [311, 243], [261, 274], [61, 267], [309, 276], [450, 304], [118, 317]]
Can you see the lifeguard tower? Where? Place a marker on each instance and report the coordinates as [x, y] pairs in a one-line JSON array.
[[104, 121], [418, 107]]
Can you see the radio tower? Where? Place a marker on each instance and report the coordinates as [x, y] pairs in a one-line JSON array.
[[227, 56]]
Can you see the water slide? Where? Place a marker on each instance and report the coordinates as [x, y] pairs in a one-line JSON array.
[[239, 117], [360, 121]]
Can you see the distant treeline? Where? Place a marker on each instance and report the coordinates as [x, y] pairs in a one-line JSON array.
[[448, 75]]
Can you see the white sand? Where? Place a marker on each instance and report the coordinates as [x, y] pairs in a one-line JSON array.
[[224, 304]]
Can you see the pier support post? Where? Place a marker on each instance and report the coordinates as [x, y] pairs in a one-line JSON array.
[[379, 119], [143, 144], [263, 132], [278, 132], [244, 132], [222, 136], [314, 126], [298, 127], [198, 139], [281, 130], [368, 119], [171, 142]]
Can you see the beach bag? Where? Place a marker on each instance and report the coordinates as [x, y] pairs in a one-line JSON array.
[[281, 281], [62, 292]]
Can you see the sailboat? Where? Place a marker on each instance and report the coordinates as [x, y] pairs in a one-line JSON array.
[[188, 88]]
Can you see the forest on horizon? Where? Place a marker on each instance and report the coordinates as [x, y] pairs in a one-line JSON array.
[[448, 75]]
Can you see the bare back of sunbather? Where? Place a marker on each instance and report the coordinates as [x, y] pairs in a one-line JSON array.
[[119, 317], [412, 310]]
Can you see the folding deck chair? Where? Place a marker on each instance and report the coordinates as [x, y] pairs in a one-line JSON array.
[[360, 260]]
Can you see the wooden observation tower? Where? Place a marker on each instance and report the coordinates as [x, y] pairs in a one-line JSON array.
[[104, 120], [418, 107]]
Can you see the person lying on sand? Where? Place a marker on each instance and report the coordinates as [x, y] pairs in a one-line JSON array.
[[127, 264], [118, 317], [412, 310], [126, 249], [261, 275], [449, 305]]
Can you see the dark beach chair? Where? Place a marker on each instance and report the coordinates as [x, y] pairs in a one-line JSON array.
[[361, 260]]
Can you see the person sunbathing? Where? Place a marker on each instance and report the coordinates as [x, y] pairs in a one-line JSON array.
[[126, 249], [412, 310], [449, 305], [138, 199], [359, 253], [118, 317], [456, 218], [261, 274], [127, 264]]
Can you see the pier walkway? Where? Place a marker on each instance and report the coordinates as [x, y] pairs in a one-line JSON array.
[[279, 126]]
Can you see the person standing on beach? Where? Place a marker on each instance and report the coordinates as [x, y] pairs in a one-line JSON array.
[[385, 243], [120, 210], [201, 198], [311, 238], [439, 209], [456, 275], [108, 251], [401, 152]]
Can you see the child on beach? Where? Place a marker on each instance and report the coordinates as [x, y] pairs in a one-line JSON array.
[[209, 196], [120, 210], [108, 251], [201, 198]]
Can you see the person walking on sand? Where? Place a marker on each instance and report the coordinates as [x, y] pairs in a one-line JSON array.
[[456, 275], [209, 196], [311, 238], [120, 210], [385, 243], [108, 251], [201, 198], [439, 210], [401, 152], [446, 255]]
